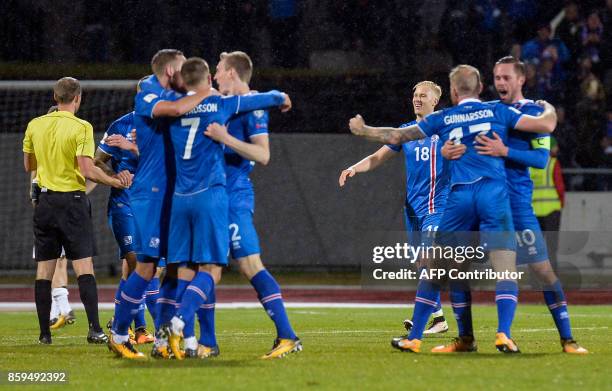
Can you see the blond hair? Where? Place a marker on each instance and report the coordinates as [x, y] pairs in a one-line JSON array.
[[436, 89], [465, 79], [240, 62]]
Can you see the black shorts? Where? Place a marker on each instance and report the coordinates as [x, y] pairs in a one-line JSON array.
[[63, 220]]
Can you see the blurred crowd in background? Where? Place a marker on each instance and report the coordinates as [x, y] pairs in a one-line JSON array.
[[567, 45]]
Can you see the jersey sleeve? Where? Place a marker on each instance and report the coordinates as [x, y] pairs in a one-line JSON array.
[[508, 115], [85, 142], [257, 123], [114, 128], [145, 102], [431, 123], [28, 146]]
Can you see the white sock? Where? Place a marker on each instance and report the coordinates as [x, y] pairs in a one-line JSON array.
[[191, 343], [55, 312], [438, 313], [120, 338], [61, 295], [160, 343], [177, 325]]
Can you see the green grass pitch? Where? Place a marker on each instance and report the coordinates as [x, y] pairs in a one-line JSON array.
[[343, 349]]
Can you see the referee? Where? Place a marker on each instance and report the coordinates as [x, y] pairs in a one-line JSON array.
[[60, 147]]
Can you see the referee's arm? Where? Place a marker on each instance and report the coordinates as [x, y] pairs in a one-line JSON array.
[[29, 162]]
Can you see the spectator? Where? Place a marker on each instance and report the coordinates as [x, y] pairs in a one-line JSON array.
[[533, 49], [591, 122], [566, 138], [591, 36], [530, 88], [550, 85], [569, 31]]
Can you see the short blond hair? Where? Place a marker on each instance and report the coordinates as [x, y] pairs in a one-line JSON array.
[[240, 62], [437, 90], [466, 79]]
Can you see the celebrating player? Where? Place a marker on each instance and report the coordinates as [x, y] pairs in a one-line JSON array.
[[478, 200], [199, 218], [118, 146], [426, 181], [150, 202], [246, 143], [525, 150]]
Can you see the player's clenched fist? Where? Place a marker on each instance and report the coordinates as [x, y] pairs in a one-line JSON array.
[[348, 173], [356, 124], [217, 132]]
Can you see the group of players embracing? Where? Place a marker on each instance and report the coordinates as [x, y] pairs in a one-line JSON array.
[[191, 149], [467, 170]]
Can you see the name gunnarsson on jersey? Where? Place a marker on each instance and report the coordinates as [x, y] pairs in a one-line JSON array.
[[455, 118]]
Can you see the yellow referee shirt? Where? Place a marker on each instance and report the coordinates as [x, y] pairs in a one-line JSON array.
[[56, 139]]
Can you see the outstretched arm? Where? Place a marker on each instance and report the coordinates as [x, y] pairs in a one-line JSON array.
[[543, 123], [368, 163], [383, 134]]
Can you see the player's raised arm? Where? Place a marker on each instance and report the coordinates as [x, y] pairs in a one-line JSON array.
[[258, 150], [366, 164], [543, 123], [383, 134]]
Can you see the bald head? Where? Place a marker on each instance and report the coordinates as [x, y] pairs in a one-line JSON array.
[[465, 81]]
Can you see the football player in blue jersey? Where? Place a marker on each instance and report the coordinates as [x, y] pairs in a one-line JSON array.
[[150, 198], [524, 150], [478, 200], [246, 143], [118, 147], [426, 181], [199, 219]]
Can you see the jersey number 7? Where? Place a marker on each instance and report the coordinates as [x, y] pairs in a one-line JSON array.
[[193, 124]]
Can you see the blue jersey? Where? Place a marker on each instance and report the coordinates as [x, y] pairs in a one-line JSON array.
[[200, 162], [463, 123], [155, 159], [427, 175], [243, 127], [120, 159], [519, 181]]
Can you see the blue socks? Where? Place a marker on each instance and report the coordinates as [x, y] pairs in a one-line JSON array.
[[461, 301], [506, 298], [269, 295], [139, 320], [118, 300], [426, 301], [555, 300], [166, 301], [131, 298], [152, 296], [195, 295], [206, 316]]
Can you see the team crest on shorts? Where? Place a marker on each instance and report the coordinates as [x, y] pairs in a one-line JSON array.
[[127, 240], [154, 242], [258, 113]]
